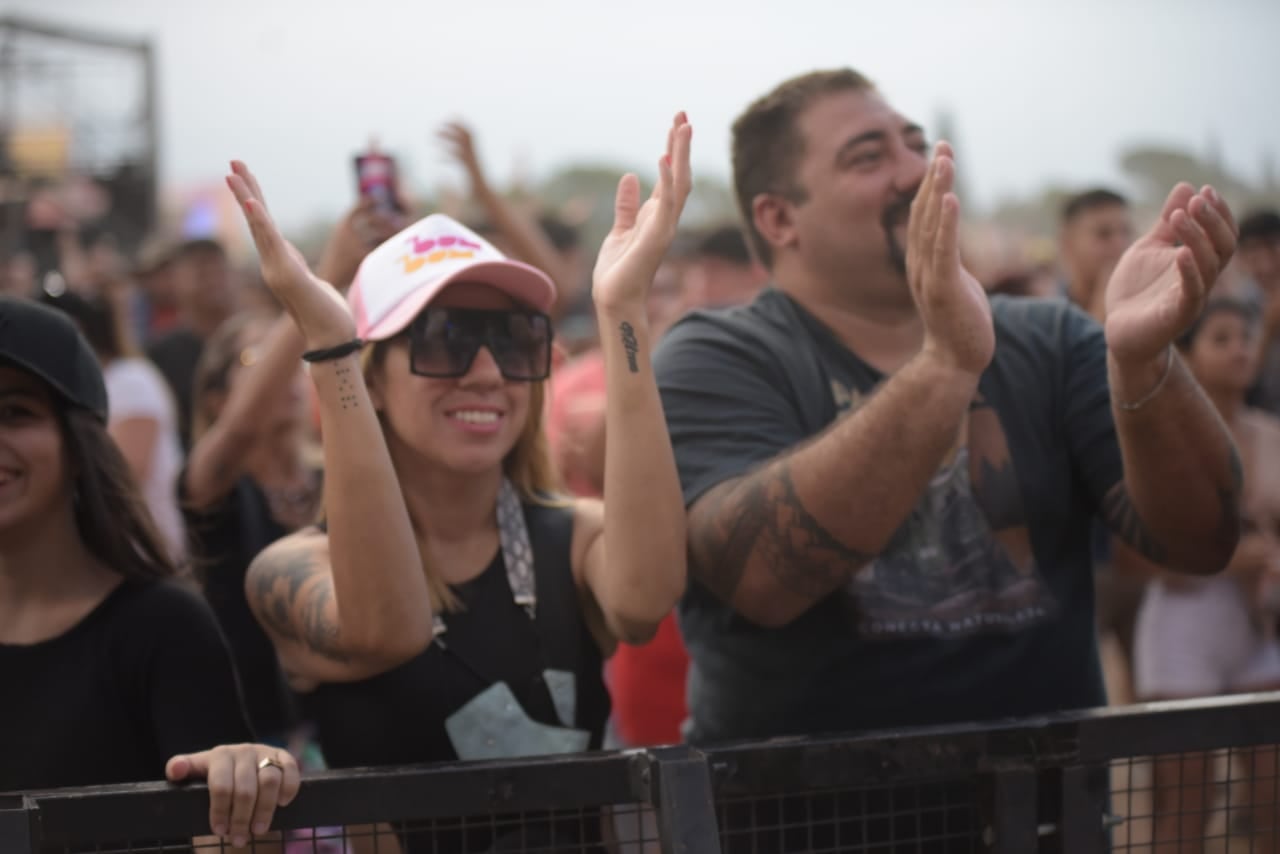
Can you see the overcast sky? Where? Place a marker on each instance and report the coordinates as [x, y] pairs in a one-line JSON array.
[[1040, 91]]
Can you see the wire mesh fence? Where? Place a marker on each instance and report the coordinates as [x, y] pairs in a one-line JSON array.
[[1172, 778], [1190, 777], [625, 828], [1199, 801], [928, 817]]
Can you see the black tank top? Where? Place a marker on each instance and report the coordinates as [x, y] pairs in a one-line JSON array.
[[398, 717]]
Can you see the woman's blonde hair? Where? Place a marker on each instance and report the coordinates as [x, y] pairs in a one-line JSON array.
[[528, 465]]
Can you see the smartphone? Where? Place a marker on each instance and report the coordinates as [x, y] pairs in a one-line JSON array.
[[376, 177]]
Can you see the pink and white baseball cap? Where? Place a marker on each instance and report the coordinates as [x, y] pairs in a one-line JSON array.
[[399, 279]]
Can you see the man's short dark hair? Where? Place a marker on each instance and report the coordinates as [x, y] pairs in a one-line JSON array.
[[767, 145], [1260, 227], [1099, 197], [200, 246], [96, 318], [726, 243], [1218, 305], [563, 236]]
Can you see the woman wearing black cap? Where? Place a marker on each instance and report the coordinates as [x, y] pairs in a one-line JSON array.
[[144, 417], [114, 673]]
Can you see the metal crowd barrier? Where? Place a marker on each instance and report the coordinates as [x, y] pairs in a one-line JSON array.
[[1078, 783]]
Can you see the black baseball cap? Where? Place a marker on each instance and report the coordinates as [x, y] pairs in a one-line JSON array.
[[46, 343]]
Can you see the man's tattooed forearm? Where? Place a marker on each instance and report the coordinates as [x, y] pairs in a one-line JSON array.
[[762, 518], [293, 601], [1120, 513], [807, 558], [631, 345], [722, 536]]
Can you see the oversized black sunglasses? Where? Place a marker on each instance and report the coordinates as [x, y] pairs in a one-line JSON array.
[[443, 342]]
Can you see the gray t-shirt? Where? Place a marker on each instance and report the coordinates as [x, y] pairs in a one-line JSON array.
[[981, 606]]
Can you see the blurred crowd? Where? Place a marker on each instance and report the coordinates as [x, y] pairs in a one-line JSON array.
[[226, 438]]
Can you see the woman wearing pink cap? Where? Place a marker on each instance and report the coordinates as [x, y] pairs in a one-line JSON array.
[[454, 605]]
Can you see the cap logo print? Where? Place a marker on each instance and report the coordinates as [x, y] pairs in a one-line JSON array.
[[435, 250], [399, 278]]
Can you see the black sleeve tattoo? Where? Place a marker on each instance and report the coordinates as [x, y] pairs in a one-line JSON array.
[[760, 517], [631, 345], [293, 599], [1122, 517]]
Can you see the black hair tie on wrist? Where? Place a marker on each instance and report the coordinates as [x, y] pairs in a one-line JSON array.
[[330, 353]]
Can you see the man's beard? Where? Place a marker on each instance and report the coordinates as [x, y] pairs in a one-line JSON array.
[[897, 213]]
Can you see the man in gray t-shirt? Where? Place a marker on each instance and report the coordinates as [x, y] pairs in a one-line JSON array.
[[890, 477], [980, 604]]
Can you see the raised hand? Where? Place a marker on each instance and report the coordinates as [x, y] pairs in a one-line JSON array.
[[1160, 285], [458, 142], [642, 234], [246, 784], [953, 305], [319, 311], [362, 229]]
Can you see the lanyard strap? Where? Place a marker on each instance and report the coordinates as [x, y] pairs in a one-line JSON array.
[[517, 555]]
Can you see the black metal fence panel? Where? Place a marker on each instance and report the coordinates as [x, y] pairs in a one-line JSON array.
[[1199, 777]]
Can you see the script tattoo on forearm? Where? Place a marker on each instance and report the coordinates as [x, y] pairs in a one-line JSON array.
[[631, 345], [760, 517], [293, 599]]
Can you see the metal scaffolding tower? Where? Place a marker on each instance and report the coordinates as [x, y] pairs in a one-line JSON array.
[[93, 96]]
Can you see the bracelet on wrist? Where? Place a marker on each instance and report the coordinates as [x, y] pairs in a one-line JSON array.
[[1146, 398], [329, 354]]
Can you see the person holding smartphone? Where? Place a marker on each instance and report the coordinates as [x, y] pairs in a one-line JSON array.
[[378, 182], [453, 605]]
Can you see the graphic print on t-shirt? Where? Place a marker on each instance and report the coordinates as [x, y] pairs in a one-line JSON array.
[[962, 562]]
